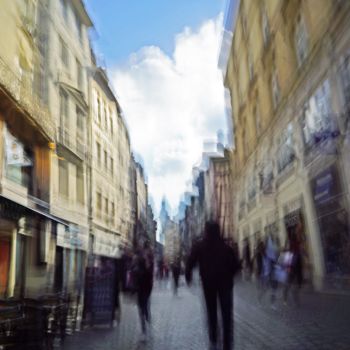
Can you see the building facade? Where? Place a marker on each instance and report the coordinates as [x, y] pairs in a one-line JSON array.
[[26, 131], [288, 73]]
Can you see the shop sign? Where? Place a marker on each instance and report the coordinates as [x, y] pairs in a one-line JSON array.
[[325, 186], [106, 244], [72, 237]]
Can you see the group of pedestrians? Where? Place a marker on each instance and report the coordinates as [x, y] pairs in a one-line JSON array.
[[218, 263], [276, 268]]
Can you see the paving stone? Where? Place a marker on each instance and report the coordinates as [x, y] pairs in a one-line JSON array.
[[179, 322]]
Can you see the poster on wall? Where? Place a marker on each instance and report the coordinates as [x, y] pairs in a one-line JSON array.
[[15, 152]]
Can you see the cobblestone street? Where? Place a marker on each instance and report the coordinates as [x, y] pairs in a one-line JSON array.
[[321, 322]]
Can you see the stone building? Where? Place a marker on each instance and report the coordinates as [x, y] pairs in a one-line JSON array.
[[104, 178], [27, 129], [288, 77]]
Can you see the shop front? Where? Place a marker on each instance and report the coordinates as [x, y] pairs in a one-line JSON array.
[[333, 220], [26, 244], [296, 233], [102, 277], [70, 262]]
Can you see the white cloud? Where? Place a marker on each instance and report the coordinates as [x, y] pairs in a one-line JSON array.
[[172, 104]]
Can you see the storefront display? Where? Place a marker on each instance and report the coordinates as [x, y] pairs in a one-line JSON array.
[[333, 220]]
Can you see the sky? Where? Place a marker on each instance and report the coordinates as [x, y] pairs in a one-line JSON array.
[[162, 60]]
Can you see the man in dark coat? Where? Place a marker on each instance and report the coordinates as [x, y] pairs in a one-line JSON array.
[[218, 264], [143, 275]]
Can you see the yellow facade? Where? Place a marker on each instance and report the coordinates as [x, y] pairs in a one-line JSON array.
[[283, 54]]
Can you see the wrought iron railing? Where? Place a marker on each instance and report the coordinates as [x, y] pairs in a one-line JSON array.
[[74, 144], [26, 99]]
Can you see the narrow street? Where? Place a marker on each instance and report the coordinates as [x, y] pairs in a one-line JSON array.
[[178, 322]]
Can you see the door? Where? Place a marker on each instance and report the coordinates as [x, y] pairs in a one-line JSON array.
[[4, 265]]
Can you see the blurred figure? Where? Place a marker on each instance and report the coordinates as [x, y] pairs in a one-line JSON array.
[[295, 276], [247, 261], [160, 269], [143, 274], [269, 280], [217, 266], [176, 270], [259, 258]]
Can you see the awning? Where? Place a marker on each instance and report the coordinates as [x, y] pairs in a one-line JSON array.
[[14, 210]]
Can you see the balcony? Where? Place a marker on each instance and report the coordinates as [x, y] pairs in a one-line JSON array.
[[75, 144], [27, 101]]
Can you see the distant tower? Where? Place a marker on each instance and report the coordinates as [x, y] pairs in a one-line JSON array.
[[163, 219]]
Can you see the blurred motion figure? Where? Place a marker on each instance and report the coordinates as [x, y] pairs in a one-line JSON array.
[[218, 264]]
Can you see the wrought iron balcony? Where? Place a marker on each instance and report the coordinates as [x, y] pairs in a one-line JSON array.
[[27, 100], [74, 144]]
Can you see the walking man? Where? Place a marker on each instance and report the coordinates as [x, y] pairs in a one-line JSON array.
[[143, 275], [217, 266]]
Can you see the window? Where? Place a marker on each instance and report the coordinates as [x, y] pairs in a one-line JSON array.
[[98, 151], [106, 206], [106, 117], [285, 149], [111, 125], [265, 27], [245, 144], [63, 177], [251, 192], [29, 14], [64, 9], [266, 175], [301, 41], [112, 209], [19, 161], [112, 165], [106, 160], [64, 120], [80, 184], [80, 122], [99, 202], [276, 94], [317, 122], [98, 110], [78, 25], [257, 121], [250, 67], [79, 75], [64, 53], [244, 23], [345, 81]]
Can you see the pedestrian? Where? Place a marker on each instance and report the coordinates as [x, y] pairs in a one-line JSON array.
[[270, 261], [217, 266], [247, 261], [295, 276], [143, 275], [259, 258], [176, 269]]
